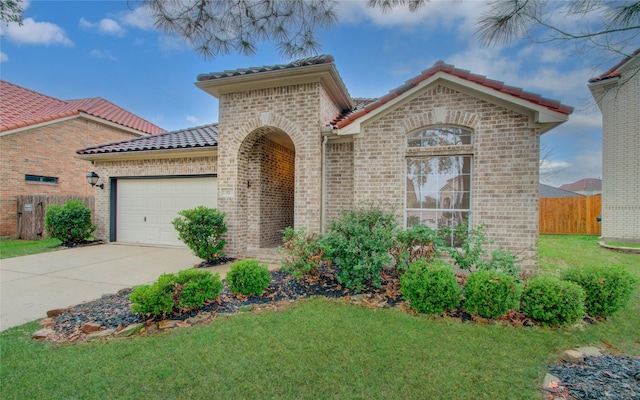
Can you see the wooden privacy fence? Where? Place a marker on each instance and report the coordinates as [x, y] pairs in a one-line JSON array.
[[32, 208], [573, 215]]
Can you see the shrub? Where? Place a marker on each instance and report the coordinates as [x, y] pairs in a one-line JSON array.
[[201, 229], [469, 255], [248, 277], [358, 241], [503, 260], [491, 294], [186, 289], [302, 252], [430, 287], [608, 289], [553, 301], [70, 223], [417, 242]]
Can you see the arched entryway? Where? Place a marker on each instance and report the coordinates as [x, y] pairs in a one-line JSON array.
[[266, 182]]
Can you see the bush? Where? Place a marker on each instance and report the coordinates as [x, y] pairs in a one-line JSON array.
[[417, 242], [430, 287], [302, 252], [358, 241], [503, 260], [608, 289], [469, 255], [491, 294], [248, 277], [187, 289], [553, 301], [70, 223], [201, 229]]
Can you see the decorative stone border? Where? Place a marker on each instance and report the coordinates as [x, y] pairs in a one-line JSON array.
[[630, 250]]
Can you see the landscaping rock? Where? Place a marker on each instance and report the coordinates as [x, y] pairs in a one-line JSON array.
[[357, 297], [101, 334], [200, 318], [56, 312], [47, 322], [130, 329], [590, 351], [573, 356], [43, 333], [91, 327], [167, 324], [551, 381]]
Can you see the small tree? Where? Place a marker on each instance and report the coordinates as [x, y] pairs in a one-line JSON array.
[[70, 223], [201, 229]]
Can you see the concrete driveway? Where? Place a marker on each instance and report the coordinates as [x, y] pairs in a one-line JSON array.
[[32, 285]]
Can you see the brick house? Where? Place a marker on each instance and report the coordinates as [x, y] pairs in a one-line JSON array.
[[293, 148], [617, 93], [38, 138]]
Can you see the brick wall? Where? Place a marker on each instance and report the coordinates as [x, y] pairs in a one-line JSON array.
[[247, 116], [48, 151], [339, 176], [505, 163], [621, 158], [188, 165]]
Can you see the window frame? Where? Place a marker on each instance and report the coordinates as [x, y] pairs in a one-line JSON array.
[[48, 180]]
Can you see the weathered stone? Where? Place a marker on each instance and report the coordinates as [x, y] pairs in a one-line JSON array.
[[199, 318], [590, 351], [101, 334], [47, 322], [245, 308], [56, 312], [167, 324], [573, 356], [91, 327], [130, 329], [43, 333], [357, 297], [551, 381]]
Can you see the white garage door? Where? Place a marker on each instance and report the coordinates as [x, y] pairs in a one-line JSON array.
[[146, 207]]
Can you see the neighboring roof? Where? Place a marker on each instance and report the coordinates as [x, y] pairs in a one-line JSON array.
[[351, 115], [615, 71], [587, 184], [547, 191], [322, 59], [21, 107], [197, 137]]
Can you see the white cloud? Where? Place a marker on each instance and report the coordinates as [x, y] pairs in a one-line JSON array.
[[32, 32], [105, 26], [3, 57], [192, 119], [103, 54], [139, 18], [583, 165]]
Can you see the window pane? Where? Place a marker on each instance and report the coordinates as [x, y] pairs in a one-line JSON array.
[[439, 136]]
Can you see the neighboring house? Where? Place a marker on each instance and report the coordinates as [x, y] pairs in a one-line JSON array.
[[38, 138], [617, 93], [293, 148], [587, 186], [547, 192]]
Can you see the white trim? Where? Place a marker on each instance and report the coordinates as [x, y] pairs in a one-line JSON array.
[[537, 113]]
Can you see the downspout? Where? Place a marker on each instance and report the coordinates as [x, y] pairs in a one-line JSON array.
[[324, 185]]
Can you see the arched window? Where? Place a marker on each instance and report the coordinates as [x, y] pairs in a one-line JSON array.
[[439, 136], [438, 186]]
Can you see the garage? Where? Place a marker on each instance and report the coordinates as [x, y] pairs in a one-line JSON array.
[[145, 207]]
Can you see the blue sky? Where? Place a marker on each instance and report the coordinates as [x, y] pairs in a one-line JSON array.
[[109, 49]]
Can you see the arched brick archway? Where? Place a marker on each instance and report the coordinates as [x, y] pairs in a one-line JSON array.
[[266, 186]]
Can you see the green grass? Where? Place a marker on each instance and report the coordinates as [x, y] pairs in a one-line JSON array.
[[321, 349], [16, 248], [620, 244]]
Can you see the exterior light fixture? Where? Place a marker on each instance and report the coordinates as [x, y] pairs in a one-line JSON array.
[[93, 178]]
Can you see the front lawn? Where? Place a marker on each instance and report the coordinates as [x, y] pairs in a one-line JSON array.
[[16, 248], [322, 349]]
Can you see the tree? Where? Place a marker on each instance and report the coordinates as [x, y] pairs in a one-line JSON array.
[[11, 11], [225, 26], [607, 26]]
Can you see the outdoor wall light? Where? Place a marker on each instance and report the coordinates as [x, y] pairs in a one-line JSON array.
[[93, 178]]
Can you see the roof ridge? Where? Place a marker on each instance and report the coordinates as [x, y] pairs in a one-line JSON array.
[[613, 72]]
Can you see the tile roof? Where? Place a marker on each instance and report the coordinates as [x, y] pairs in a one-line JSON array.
[[21, 107], [200, 136], [547, 191], [322, 59], [613, 72], [351, 115], [587, 184]]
